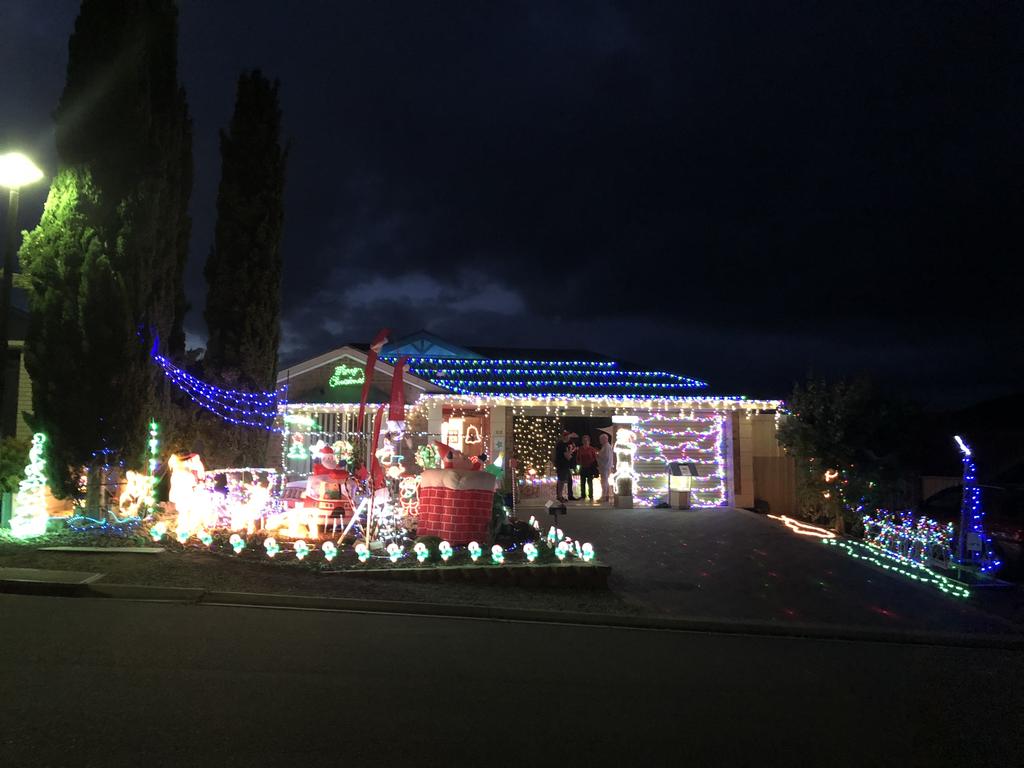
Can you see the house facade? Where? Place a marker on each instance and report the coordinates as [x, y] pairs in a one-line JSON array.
[[514, 403]]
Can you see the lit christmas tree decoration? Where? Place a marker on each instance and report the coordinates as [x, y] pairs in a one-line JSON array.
[[330, 550], [30, 517], [237, 543], [974, 545], [445, 550], [270, 544]]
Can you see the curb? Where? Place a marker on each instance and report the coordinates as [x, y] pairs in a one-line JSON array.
[[203, 597]]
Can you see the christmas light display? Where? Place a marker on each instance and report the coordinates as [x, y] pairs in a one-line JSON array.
[[700, 441], [153, 443], [250, 409], [922, 540], [474, 551], [900, 565], [422, 553], [330, 550], [346, 376], [530, 551], [237, 543], [534, 439], [587, 552], [445, 550], [497, 554], [427, 458], [803, 529], [297, 448], [362, 552], [408, 494], [301, 549], [625, 452], [485, 377], [138, 490], [270, 544], [974, 546], [205, 537], [394, 552], [186, 473], [158, 531], [552, 536], [30, 517], [183, 535], [343, 449], [561, 550]]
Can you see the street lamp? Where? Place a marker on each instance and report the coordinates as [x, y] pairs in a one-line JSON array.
[[16, 171]]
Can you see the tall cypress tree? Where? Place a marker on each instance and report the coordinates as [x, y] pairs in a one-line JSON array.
[[105, 263], [243, 271]]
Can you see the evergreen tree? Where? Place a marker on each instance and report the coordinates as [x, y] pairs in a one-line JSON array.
[[105, 264], [243, 271]]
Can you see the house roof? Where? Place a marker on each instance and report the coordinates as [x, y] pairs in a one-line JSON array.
[[473, 370]]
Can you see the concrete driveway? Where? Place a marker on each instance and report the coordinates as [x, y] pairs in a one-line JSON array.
[[733, 564]]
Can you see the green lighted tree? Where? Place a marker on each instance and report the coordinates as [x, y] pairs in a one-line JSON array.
[[243, 271], [104, 265], [852, 444]]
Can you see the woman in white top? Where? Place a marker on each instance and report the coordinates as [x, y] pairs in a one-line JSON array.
[[605, 464]]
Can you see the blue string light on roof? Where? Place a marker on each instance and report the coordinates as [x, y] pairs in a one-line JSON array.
[[247, 409], [546, 377]]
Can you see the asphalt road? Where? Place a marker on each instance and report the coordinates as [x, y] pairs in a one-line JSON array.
[[86, 682]]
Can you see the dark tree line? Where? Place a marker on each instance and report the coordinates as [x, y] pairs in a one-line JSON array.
[[104, 266]]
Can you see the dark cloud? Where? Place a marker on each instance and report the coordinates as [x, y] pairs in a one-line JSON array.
[[740, 191]]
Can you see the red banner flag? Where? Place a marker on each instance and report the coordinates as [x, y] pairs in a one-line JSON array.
[[376, 473], [396, 410], [371, 361]]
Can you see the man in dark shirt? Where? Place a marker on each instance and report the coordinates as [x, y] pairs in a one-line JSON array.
[[565, 460]]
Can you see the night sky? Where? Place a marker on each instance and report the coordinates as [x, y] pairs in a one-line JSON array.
[[741, 192]]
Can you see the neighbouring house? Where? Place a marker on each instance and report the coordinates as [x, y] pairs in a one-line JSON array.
[[515, 402]]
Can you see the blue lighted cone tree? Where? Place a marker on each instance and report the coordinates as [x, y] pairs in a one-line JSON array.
[[104, 265]]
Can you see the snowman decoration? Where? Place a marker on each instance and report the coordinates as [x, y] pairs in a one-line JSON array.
[[625, 451]]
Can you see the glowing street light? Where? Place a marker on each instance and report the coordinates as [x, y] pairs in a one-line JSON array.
[[16, 171]]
